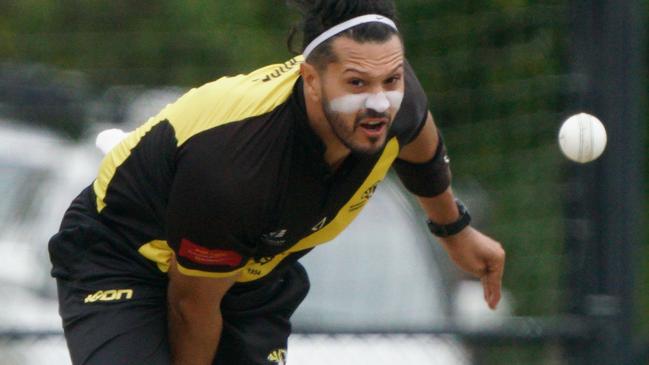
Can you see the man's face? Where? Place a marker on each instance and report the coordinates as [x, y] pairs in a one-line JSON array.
[[362, 92]]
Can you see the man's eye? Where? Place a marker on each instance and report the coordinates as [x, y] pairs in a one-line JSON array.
[[393, 79], [356, 82]]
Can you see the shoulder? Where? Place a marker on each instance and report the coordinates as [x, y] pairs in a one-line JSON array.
[[231, 99]]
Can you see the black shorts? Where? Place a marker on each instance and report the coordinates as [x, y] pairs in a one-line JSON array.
[[114, 307], [108, 322]]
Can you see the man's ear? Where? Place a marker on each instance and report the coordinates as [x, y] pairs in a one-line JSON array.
[[312, 81]]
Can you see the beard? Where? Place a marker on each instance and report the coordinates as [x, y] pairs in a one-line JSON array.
[[345, 132]]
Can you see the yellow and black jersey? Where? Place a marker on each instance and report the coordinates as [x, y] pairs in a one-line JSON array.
[[231, 178]]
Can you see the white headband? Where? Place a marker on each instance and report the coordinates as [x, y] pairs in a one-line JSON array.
[[343, 27]]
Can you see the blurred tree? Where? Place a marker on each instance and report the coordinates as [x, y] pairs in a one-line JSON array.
[[154, 43]]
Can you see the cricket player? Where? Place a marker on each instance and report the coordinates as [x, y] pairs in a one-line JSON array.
[[185, 248]]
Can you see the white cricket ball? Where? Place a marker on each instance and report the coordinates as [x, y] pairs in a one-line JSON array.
[[582, 138]]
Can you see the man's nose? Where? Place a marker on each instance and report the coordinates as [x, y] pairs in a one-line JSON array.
[[377, 102]]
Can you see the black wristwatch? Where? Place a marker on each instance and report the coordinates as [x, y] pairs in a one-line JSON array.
[[445, 230]]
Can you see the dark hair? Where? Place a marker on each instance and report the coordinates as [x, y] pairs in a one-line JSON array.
[[320, 15]]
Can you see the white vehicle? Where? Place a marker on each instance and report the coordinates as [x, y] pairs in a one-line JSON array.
[[40, 173]]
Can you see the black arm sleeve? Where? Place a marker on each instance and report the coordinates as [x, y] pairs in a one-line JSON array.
[[426, 179]]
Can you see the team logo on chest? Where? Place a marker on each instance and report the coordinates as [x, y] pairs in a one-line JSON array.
[[276, 238], [319, 225], [278, 357], [365, 197]]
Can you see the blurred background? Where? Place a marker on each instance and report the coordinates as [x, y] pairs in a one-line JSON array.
[[501, 76]]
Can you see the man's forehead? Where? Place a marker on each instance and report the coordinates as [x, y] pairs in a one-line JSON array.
[[368, 57]]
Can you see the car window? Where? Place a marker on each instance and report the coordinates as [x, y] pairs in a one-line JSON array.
[[379, 274]]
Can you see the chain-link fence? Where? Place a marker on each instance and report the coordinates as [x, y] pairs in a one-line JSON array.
[[316, 349], [513, 341]]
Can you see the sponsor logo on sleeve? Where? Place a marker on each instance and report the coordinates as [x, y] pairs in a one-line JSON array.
[[206, 256]]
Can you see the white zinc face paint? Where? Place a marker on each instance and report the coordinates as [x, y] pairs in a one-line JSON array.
[[377, 102], [380, 102], [349, 103], [395, 98]]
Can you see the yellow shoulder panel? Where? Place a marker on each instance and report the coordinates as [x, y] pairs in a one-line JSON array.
[[231, 99]]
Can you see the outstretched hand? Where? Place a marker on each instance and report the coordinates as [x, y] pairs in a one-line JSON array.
[[481, 256]]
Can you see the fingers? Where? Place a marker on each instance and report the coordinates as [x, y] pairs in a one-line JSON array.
[[482, 256], [492, 289], [492, 280]]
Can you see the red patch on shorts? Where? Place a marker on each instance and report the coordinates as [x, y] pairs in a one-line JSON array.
[[206, 256]]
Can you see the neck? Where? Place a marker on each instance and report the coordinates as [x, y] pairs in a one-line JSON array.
[[335, 151]]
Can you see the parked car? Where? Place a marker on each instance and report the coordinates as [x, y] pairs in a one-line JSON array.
[[40, 173]]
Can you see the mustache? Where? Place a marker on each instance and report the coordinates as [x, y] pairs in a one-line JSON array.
[[371, 113]]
